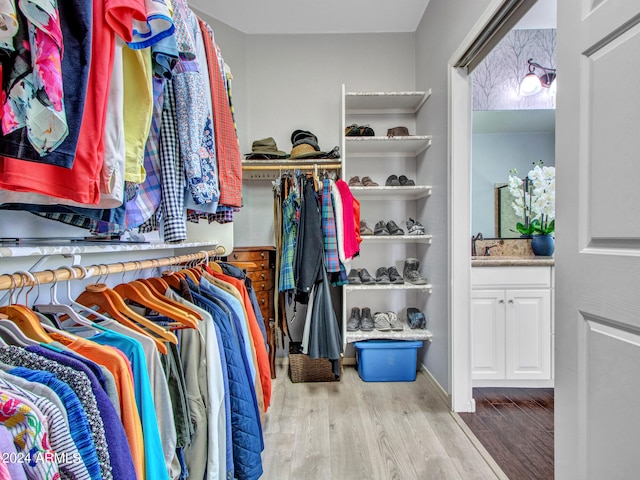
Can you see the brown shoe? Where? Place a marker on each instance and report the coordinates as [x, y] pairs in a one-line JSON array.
[[355, 182], [367, 182]]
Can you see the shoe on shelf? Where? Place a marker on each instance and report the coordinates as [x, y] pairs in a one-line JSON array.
[[365, 229], [406, 182], [415, 318], [411, 272], [381, 228], [415, 227], [354, 277], [381, 322], [382, 276], [366, 278], [353, 324], [366, 322], [394, 322], [394, 229], [355, 182], [367, 182], [392, 181], [394, 276]]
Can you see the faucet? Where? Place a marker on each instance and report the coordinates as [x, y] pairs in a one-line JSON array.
[[487, 250]]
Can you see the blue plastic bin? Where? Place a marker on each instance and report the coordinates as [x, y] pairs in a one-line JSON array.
[[387, 360]]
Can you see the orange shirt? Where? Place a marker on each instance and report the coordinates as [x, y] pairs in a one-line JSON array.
[[264, 367], [112, 359]]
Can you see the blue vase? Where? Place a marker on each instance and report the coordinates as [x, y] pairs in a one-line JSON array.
[[543, 245]]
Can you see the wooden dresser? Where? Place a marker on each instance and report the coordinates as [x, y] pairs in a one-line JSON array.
[[259, 265]]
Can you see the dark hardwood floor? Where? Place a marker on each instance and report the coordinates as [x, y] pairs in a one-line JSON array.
[[515, 425]]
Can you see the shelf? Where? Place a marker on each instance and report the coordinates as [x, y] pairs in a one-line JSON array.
[[413, 192], [379, 146], [384, 102], [396, 238], [404, 286], [406, 334], [332, 163], [89, 247]]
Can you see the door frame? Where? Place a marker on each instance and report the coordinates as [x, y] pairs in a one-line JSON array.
[[459, 217]]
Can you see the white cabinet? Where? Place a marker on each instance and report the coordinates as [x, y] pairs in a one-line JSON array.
[[377, 157], [511, 326]]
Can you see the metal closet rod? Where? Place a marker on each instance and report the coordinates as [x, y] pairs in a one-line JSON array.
[[10, 281]]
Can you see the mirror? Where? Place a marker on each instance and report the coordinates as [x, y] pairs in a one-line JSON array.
[[502, 140]]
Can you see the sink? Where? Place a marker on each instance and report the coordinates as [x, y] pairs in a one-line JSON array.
[[504, 247]]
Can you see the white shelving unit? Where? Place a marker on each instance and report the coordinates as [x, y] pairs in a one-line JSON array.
[[379, 156]]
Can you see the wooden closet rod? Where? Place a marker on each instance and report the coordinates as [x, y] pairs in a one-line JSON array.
[[17, 280], [294, 166]]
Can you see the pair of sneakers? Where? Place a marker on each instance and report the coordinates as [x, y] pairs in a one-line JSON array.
[[387, 321]]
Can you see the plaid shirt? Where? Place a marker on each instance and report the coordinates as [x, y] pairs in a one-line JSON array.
[[290, 213], [148, 197], [331, 259], [174, 225], [227, 149]]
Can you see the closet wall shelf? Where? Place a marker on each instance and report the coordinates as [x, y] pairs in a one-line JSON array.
[[406, 286], [382, 145], [392, 193], [328, 163], [373, 239], [6, 252], [406, 334], [385, 102]]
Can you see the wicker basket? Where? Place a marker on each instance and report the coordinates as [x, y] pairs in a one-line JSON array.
[[305, 369]]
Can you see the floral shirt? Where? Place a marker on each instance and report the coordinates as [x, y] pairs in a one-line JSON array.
[[34, 96], [8, 24], [29, 430]]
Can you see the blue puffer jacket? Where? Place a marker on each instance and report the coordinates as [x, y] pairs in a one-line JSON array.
[[246, 431]]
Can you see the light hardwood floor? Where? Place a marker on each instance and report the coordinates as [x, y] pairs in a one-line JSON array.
[[363, 430]]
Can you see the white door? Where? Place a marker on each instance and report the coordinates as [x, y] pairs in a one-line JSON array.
[[487, 334], [528, 335], [597, 325]]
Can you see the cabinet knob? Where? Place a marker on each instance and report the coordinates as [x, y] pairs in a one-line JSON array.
[[262, 286], [262, 255], [262, 266], [501, 302], [511, 301], [262, 276]]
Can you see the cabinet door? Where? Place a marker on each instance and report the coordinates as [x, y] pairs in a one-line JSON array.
[[488, 334], [528, 334]]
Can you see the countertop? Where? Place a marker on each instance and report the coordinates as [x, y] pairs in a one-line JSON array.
[[504, 261]]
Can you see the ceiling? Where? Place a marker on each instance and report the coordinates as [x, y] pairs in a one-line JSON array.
[[339, 16]]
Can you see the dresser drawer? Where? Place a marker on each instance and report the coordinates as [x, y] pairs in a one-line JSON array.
[[261, 276], [262, 285], [250, 256], [265, 300]]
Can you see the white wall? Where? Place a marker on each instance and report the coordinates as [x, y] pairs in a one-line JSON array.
[[293, 82], [442, 29], [493, 155]]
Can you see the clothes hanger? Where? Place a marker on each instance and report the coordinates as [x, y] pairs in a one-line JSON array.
[[138, 292], [160, 294], [98, 295], [24, 317], [212, 265], [54, 307]]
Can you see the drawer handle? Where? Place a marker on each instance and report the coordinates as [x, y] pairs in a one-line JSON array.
[[501, 302], [235, 255], [263, 301], [262, 276], [511, 301], [262, 286], [262, 255], [262, 266]]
